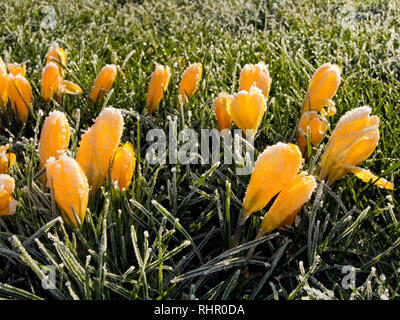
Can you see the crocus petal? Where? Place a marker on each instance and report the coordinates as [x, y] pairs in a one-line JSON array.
[[274, 168], [289, 201], [317, 126], [7, 203], [123, 165], [15, 68], [97, 146], [51, 81], [255, 74], [190, 82], [7, 159], [368, 176], [70, 87], [69, 187], [222, 104], [158, 85], [3, 84], [59, 57], [103, 82], [20, 94]]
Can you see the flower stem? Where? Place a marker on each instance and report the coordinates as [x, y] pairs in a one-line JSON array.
[[236, 235], [251, 250]]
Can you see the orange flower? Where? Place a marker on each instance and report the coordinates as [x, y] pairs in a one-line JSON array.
[[322, 88], [69, 186], [54, 138], [255, 74], [352, 141], [222, 103], [20, 94], [103, 82], [122, 166], [7, 204], [16, 68], [51, 81], [98, 144], [190, 82], [7, 159], [247, 109], [289, 202], [59, 57], [317, 126], [3, 84], [158, 85]]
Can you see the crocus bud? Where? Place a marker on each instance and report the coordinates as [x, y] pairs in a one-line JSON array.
[[20, 94], [289, 202], [315, 124], [247, 109], [7, 159], [255, 74], [103, 82], [321, 89], [122, 166], [7, 204], [274, 168], [59, 57], [98, 144], [352, 141], [54, 138], [15, 68], [3, 84], [190, 82], [158, 85], [51, 81], [69, 186], [222, 103]]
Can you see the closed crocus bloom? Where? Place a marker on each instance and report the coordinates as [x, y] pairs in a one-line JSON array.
[[51, 81], [97, 146], [289, 202], [3, 84], [317, 126], [190, 82], [247, 109], [122, 166], [255, 74], [54, 138], [222, 103], [59, 57], [274, 168], [20, 94], [103, 82], [352, 141], [321, 89], [158, 85], [16, 68], [7, 159], [69, 186], [7, 204]]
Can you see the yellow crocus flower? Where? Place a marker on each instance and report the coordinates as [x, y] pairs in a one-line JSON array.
[[222, 103], [190, 82], [20, 94], [51, 81], [103, 82], [158, 85], [7, 204], [69, 187], [317, 126], [122, 166], [16, 68], [352, 141], [255, 74], [321, 89], [97, 146], [3, 84], [7, 159], [59, 57]]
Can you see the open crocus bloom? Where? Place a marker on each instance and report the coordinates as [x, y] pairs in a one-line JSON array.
[[97, 146], [69, 186], [20, 94], [274, 168], [190, 82], [289, 202], [103, 82], [3, 84], [158, 85], [247, 109], [255, 74], [122, 166], [352, 141], [7, 159], [7, 204], [315, 124], [222, 103], [322, 88]]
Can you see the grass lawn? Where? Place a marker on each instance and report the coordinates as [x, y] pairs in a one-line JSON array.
[[169, 235]]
